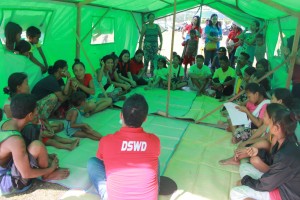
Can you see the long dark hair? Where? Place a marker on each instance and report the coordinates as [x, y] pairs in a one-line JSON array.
[[14, 80], [122, 53], [59, 64], [11, 31], [218, 24], [198, 21]]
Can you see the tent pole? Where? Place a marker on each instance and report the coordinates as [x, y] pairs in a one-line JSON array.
[[78, 27], [101, 18], [293, 54], [242, 92], [281, 7], [137, 25], [171, 60]]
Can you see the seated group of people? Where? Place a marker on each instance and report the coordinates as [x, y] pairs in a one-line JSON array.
[[268, 139]]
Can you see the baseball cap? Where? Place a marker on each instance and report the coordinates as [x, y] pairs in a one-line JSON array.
[[222, 50]]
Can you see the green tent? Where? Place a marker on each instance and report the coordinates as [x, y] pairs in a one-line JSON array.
[[117, 23]]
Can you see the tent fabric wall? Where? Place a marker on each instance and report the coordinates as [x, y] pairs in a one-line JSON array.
[[60, 40]]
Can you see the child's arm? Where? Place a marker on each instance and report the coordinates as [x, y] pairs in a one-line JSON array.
[[99, 79], [35, 61], [256, 121], [124, 78], [132, 82], [66, 90], [72, 116], [257, 134], [43, 56], [90, 90]]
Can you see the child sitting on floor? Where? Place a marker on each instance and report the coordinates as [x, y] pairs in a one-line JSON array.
[[177, 74], [160, 74], [254, 109], [73, 123]]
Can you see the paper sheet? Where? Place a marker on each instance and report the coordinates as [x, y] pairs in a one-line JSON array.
[[237, 117]]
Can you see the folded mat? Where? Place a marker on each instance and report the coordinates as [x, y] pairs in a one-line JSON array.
[[180, 100], [203, 105], [169, 131]]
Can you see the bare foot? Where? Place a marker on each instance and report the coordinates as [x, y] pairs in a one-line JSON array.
[[87, 114], [58, 174], [73, 145], [229, 161]]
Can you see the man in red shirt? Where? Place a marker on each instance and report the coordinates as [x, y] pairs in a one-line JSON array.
[[126, 165]]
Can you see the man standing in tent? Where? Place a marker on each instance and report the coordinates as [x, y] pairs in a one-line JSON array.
[[151, 32], [126, 166]]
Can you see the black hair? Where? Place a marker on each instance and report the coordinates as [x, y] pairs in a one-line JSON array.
[[77, 98], [139, 51], [245, 55], [135, 110], [14, 80], [200, 56], [32, 31], [149, 14], [290, 42], [273, 107], [224, 58], [255, 87], [265, 63], [21, 105], [285, 95], [286, 120], [177, 56], [114, 55], [105, 58], [261, 36], [198, 21], [250, 70], [22, 46], [122, 53], [257, 24], [77, 61], [264, 82], [59, 64], [193, 31], [11, 31], [163, 60], [210, 21]]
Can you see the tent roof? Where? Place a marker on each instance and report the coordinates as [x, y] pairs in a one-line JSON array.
[[265, 9]]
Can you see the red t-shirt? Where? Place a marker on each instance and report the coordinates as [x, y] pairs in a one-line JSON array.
[[232, 36], [135, 67], [130, 157], [86, 81], [189, 27]]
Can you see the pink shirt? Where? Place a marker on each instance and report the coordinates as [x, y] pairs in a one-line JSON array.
[[251, 107], [130, 157], [275, 194]]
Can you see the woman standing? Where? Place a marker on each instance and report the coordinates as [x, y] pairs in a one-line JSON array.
[[151, 32], [213, 33], [195, 25]]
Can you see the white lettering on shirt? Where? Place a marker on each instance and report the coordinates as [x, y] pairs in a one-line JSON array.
[[134, 146]]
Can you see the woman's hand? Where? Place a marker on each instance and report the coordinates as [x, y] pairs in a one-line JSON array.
[[252, 151], [242, 109]]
